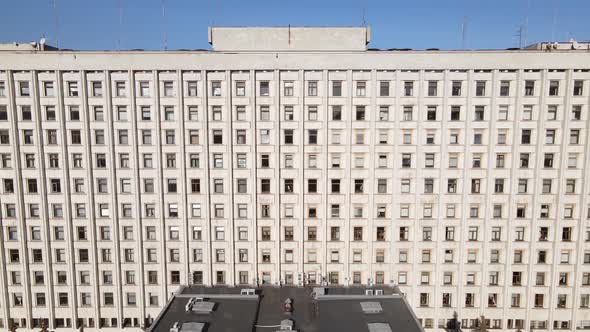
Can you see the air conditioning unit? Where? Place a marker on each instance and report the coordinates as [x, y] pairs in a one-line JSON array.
[[286, 325], [248, 291], [369, 292], [378, 292], [175, 327], [189, 305], [318, 291]]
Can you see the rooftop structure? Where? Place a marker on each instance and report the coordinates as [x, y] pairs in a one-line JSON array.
[[334, 309], [32, 46], [320, 39], [571, 45]]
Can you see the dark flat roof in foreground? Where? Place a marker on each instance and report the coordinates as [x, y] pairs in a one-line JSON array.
[[320, 309]]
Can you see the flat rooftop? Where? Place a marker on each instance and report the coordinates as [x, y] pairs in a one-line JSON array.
[[231, 311], [314, 310]]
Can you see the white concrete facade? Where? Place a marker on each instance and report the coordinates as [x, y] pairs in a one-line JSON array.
[[273, 39], [461, 176]]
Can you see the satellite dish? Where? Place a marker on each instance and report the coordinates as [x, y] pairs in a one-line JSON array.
[[42, 41]]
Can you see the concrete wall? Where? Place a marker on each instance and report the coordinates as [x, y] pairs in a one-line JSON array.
[[289, 38]]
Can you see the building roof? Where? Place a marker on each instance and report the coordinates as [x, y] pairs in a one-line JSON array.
[[314, 310], [347, 314], [231, 311]]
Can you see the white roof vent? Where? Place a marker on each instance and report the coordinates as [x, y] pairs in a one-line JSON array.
[[189, 304], [286, 325], [371, 307], [379, 327], [175, 327], [203, 307], [318, 291], [248, 291], [192, 327]]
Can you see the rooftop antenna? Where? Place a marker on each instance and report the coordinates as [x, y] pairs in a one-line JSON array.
[[120, 24], [56, 22], [364, 13], [164, 36], [215, 10], [554, 21], [464, 33], [526, 22], [218, 9], [212, 12], [520, 35]]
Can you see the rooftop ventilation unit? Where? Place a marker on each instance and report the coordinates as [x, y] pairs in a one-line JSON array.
[[378, 292], [371, 307], [187, 327], [369, 292], [203, 307], [192, 327], [318, 291], [286, 325], [248, 291], [189, 304], [175, 327], [379, 327]]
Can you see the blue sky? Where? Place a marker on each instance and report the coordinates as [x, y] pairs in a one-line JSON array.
[[419, 24]]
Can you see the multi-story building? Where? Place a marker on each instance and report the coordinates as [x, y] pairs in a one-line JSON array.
[[295, 156]]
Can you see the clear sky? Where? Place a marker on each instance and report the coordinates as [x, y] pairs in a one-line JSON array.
[[418, 24]]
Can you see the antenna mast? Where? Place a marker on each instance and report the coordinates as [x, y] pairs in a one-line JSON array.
[[164, 36], [215, 11], [364, 6], [56, 22], [120, 24], [554, 21], [520, 35], [464, 33], [526, 22]]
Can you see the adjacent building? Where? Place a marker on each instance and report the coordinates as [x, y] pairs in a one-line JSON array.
[[295, 156]]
